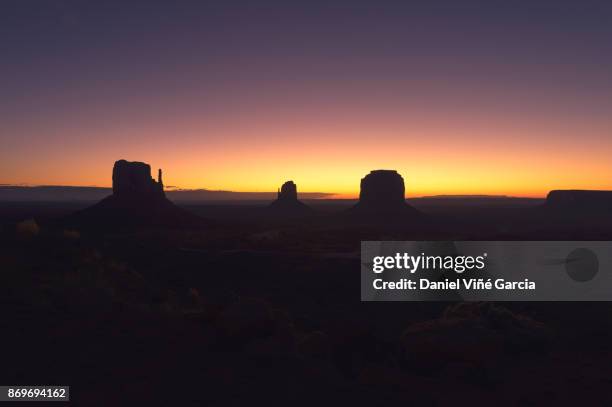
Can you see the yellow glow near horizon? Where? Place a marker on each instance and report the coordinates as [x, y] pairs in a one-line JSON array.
[[458, 100], [426, 169], [258, 153]]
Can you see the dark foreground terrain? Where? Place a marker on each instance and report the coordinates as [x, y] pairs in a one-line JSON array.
[[259, 309]]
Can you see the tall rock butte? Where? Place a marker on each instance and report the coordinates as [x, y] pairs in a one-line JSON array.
[[287, 202], [383, 192], [133, 180], [287, 192], [137, 201]]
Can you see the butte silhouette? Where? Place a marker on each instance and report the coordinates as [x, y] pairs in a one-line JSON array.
[[287, 203], [137, 201], [382, 195]]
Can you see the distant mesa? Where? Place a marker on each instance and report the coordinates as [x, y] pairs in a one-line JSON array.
[[288, 192], [137, 201], [133, 180], [580, 200], [287, 202], [382, 188], [383, 192]]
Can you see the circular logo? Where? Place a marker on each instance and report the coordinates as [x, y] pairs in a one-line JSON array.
[[582, 265]]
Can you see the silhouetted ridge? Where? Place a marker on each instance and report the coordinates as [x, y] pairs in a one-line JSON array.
[[579, 200], [137, 201], [287, 202]]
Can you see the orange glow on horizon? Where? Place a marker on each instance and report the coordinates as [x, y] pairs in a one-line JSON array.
[[427, 171], [458, 100], [466, 153]]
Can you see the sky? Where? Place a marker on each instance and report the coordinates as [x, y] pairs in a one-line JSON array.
[[489, 97]]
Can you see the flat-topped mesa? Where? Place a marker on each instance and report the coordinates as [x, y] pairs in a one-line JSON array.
[[138, 201], [287, 202], [133, 180], [382, 189], [381, 196], [579, 200], [287, 192]]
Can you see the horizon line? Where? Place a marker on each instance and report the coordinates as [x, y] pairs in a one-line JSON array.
[[322, 195]]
